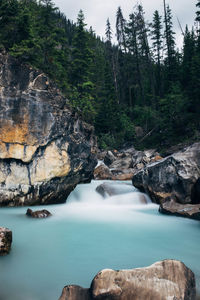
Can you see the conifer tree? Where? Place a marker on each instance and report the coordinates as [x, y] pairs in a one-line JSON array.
[[157, 45], [120, 30]]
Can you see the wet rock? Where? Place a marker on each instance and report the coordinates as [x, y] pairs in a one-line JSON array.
[[180, 210], [168, 279], [40, 214], [74, 292], [172, 178], [45, 148], [109, 158], [5, 240], [102, 172]]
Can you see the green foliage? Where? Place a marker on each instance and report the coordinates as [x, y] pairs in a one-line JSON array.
[[113, 87]]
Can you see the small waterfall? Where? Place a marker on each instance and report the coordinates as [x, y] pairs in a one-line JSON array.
[[86, 203]]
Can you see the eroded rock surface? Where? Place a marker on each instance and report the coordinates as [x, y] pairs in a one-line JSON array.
[[164, 280], [5, 240], [39, 214], [175, 177], [45, 149]]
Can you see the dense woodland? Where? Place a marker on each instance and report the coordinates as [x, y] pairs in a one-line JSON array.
[[140, 90]]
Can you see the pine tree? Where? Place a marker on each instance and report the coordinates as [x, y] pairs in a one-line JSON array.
[[120, 30], [157, 38], [82, 96], [170, 44]]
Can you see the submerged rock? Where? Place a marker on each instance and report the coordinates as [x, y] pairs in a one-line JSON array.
[[180, 210], [5, 240], [40, 214], [45, 148], [164, 280], [175, 177], [75, 292]]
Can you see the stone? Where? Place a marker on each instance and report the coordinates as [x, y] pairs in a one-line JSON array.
[[109, 158], [122, 163], [40, 214], [180, 210], [5, 240], [175, 177], [75, 292], [46, 149], [164, 280], [102, 172]]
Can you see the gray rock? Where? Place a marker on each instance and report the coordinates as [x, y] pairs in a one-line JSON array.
[[102, 172], [168, 279], [39, 214], [181, 210], [109, 158], [175, 177], [74, 292], [45, 148], [5, 240]]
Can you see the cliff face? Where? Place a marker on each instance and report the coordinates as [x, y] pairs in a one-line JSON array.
[[45, 149]]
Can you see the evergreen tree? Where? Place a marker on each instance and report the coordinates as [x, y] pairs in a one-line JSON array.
[[120, 30], [157, 38], [82, 96]]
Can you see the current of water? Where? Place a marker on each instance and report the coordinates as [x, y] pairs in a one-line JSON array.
[[87, 234]]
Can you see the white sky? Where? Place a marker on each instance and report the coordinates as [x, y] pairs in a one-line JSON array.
[[97, 11]]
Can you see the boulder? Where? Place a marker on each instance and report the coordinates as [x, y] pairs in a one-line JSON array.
[[45, 148], [107, 189], [168, 279], [175, 177], [39, 214], [102, 172], [109, 158], [180, 210], [5, 240], [75, 292]]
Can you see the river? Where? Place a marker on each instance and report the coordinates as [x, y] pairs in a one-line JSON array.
[[87, 234]]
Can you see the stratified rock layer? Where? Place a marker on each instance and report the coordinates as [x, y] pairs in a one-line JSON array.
[[175, 177], [5, 240], [45, 149]]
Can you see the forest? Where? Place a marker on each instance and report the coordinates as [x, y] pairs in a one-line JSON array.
[[140, 90]]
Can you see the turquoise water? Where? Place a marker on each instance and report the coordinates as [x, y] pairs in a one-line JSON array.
[[87, 234]]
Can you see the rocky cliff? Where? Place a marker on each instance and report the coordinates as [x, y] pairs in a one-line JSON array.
[[45, 149]]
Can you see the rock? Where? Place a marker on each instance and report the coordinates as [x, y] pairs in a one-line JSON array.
[[40, 214], [45, 148], [139, 132], [124, 177], [74, 292], [5, 240], [175, 177], [122, 163], [180, 210], [102, 172], [112, 189], [109, 158], [168, 279]]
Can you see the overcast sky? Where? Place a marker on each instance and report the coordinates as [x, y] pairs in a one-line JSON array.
[[97, 11]]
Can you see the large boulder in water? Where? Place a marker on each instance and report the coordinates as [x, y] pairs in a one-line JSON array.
[[163, 280], [175, 177], [45, 148], [5, 240]]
